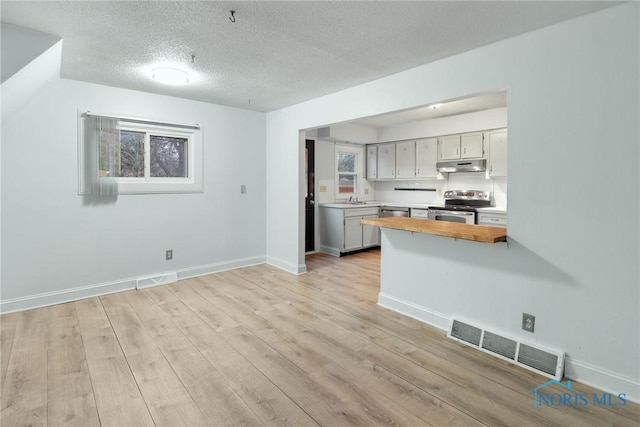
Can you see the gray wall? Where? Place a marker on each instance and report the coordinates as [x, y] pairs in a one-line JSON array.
[[573, 106], [55, 243]]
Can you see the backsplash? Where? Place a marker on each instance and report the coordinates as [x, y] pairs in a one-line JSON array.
[[386, 190]]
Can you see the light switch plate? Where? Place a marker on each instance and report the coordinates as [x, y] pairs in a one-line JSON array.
[[243, 189]]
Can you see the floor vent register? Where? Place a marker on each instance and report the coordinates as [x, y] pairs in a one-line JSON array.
[[534, 358]]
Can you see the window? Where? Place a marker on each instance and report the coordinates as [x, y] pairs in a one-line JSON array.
[[348, 170], [150, 158]]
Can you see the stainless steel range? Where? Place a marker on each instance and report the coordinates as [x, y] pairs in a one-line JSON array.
[[460, 206]]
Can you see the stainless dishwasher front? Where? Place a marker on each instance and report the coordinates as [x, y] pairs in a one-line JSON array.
[[387, 211]]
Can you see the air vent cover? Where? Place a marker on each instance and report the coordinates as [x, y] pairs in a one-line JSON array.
[[503, 346], [547, 363], [538, 359], [467, 333]]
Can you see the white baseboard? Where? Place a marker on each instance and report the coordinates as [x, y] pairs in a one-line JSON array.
[[575, 370], [296, 269], [217, 267], [330, 250], [418, 312], [82, 292], [602, 379]]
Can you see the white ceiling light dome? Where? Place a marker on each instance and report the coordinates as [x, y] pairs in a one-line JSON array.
[[170, 76]]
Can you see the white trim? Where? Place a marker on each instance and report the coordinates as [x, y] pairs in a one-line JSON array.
[[82, 292], [286, 266], [341, 148], [218, 267], [193, 183], [142, 119], [330, 250], [602, 379], [574, 370], [426, 315]]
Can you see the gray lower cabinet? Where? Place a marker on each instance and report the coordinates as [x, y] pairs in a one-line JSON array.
[[341, 230], [494, 219]]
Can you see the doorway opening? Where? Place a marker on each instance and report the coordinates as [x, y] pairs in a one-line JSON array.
[[309, 199]]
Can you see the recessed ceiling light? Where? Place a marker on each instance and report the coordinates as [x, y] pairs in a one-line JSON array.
[[170, 76]]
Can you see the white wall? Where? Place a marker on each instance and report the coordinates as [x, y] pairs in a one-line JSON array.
[[470, 122], [573, 94], [481, 120], [53, 242], [20, 46]]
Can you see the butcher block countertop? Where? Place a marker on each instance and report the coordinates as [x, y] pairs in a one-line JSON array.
[[476, 233]]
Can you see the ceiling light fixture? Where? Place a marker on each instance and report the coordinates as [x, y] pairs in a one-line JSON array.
[[170, 76]]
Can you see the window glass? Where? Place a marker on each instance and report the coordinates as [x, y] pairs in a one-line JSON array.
[[347, 183], [347, 162], [168, 156], [131, 154]]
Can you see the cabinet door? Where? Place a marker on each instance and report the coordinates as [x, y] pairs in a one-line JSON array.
[[493, 219], [471, 144], [352, 233], [426, 158], [387, 161], [372, 161], [497, 154], [406, 159], [370, 234], [450, 147]]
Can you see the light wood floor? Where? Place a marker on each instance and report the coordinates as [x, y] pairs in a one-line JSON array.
[[258, 346]]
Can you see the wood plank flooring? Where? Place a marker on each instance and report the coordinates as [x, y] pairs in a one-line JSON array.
[[257, 346]]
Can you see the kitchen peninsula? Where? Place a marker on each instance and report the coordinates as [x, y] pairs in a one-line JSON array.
[[427, 267], [476, 233]]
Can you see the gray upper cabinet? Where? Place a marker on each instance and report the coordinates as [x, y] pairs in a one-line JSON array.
[[406, 159], [426, 158], [372, 162], [465, 146], [450, 147], [386, 161], [497, 166]]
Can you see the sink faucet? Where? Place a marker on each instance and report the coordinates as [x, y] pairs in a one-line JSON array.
[[352, 199]]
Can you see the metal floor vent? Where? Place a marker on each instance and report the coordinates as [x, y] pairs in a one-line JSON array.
[[162, 279], [542, 361]]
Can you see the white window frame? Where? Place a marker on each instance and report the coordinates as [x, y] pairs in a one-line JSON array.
[[192, 183], [348, 149]]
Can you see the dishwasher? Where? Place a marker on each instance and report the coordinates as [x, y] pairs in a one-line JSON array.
[[387, 211]]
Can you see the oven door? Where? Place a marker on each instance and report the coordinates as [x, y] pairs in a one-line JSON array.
[[452, 216]]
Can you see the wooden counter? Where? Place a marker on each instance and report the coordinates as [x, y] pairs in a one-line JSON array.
[[476, 233]]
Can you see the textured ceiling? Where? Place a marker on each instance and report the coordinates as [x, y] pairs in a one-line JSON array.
[[276, 53]]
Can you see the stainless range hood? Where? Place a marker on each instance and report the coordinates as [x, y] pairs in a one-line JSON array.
[[462, 166]]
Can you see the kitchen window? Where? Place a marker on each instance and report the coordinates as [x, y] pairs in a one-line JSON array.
[[147, 157], [348, 168]]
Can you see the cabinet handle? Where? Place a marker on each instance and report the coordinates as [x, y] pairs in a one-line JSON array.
[[418, 173], [457, 151], [465, 150]]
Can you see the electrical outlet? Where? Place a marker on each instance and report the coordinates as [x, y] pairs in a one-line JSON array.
[[243, 189], [169, 254], [528, 322]]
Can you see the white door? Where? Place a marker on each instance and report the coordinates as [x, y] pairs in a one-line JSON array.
[[471, 144], [450, 147], [352, 233], [406, 159], [498, 154], [426, 158], [386, 161], [372, 161], [370, 234]]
